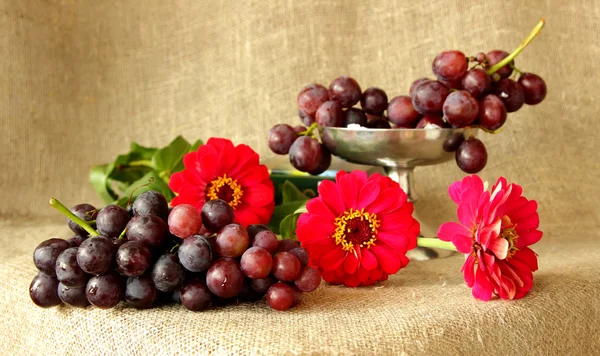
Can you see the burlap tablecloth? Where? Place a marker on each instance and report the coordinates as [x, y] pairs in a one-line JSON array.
[[81, 79]]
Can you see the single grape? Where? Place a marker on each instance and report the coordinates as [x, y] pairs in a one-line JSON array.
[[429, 97], [74, 296], [68, 271], [266, 239], [534, 88], [330, 114], [286, 245], [450, 65], [184, 220], [378, 123], [324, 163], [105, 291], [354, 116], [140, 292], [95, 255], [452, 143], [309, 279], [148, 229], [46, 253], [43, 291], [217, 214], [511, 93], [311, 97], [232, 241], [299, 129], [167, 273], [281, 137], [471, 155], [224, 278], [476, 82], [306, 119], [203, 232], [297, 295], [302, 255], [496, 56], [306, 154], [415, 84], [431, 122], [195, 295], [75, 241], [401, 112], [262, 285], [248, 293], [254, 229], [454, 84], [151, 203], [481, 57], [280, 296], [345, 91], [85, 212], [286, 266], [374, 101], [195, 254], [492, 112], [133, 259], [256, 263], [460, 108], [111, 220]]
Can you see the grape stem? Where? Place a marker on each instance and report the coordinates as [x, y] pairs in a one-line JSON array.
[[122, 235], [310, 130], [174, 249], [63, 209], [434, 242], [521, 47]]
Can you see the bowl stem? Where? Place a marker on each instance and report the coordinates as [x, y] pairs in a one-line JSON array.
[[405, 177]]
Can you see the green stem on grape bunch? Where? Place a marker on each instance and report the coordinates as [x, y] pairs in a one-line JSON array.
[[435, 243], [174, 249], [516, 52], [310, 130], [141, 163], [122, 235], [63, 209]]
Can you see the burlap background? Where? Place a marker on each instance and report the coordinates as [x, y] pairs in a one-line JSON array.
[[81, 79]]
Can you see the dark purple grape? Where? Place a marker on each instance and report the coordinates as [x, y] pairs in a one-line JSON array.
[[452, 143], [330, 114], [224, 278], [167, 273], [133, 259], [95, 255], [534, 88], [85, 212], [471, 156], [195, 295], [280, 296], [511, 93], [300, 129], [105, 291], [378, 123], [249, 294], [151, 203], [256, 263], [431, 122], [254, 229], [496, 56], [73, 296], [75, 241], [306, 119], [217, 214], [195, 254], [266, 239], [68, 271], [286, 266], [232, 241], [374, 101], [111, 220], [43, 291], [262, 285], [450, 65], [492, 112], [429, 97], [354, 116], [286, 245], [46, 253], [184, 220], [148, 229], [460, 108], [309, 279], [281, 137], [306, 154], [311, 97], [302, 255], [415, 84], [140, 292], [476, 82], [345, 91], [401, 112], [324, 163]]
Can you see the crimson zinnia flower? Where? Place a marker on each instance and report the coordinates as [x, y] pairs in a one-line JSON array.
[[218, 170], [357, 231], [494, 233]]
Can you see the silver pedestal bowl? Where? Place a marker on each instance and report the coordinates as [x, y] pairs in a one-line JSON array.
[[398, 152]]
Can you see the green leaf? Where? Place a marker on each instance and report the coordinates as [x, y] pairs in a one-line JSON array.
[[281, 212], [193, 148], [141, 152], [99, 180], [168, 158], [196, 145], [287, 227], [290, 193], [138, 188]]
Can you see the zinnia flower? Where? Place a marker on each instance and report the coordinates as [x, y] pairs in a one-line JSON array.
[[218, 170], [495, 231], [357, 231]]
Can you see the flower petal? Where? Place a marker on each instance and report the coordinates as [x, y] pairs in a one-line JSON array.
[[350, 264], [368, 193], [468, 269], [482, 288], [389, 262], [316, 206], [394, 241], [258, 195], [333, 259], [455, 192], [368, 260], [448, 230], [245, 216], [348, 189], [330, 194]]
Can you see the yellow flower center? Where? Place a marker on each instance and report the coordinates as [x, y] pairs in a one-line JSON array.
[[225, 188], [356, 228], [509, 233]]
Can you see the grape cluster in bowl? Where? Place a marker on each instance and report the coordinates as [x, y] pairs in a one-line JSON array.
[[152, 254]]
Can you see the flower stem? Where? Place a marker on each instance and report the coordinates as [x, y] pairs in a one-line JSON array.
[[435, 243], [141, 163], [516, 52], [63, 209]]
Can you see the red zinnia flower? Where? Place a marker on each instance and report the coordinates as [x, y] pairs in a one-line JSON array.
[[357, 231], [495, 231], [218, 170]]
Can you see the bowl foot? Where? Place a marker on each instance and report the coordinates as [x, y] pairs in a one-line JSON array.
[[426, 254]]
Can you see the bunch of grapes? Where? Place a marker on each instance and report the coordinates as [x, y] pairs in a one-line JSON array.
[[153, 254]]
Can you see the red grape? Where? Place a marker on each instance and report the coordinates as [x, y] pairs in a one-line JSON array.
[[471, 155], [401, 112], [68, 271], [195, 295], [140, 292], [354, 116], [415, 84], [184, 221], [309, 279], [224, 278], [330, 114], [511, 93], [167, 274], [43, 291], [476, 82], [281, 137], [195, 253], [431, 122], [73, 296], [534, 88], [311, 97], [378, 123], [232, 241], [148, 229], [299, 129], [454, 84], [374, 101], [306, 119], [496, 56], [450, 65], [75, 241], [151, 203], [492, 112], [452, 143], [85, 212], [302, 255], [286, 266], [111, 220], [256, 262], [280, 296], [324, 163], [254, 229], [345, 91], [306, 154], [95, 255], [460, 108], [286, 245], [267, 240], [216, 214], [429, 97], [105, 291], [480, 57], [262, 285], [133, 259], [46, 253]]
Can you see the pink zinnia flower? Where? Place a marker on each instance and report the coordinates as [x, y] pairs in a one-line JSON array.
[[358, 229], [494, 233]]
